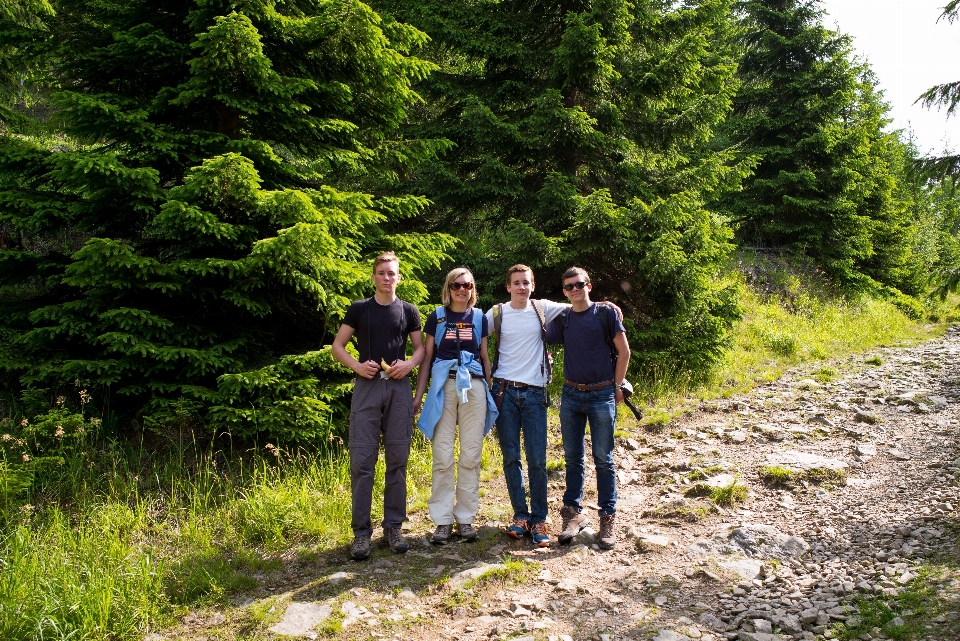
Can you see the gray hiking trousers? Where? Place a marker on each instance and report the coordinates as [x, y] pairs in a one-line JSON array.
[[383, 408]]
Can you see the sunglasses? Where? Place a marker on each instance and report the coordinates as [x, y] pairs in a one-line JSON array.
[[455, 286], [571, 286]]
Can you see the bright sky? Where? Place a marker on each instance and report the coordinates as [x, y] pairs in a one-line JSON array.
[[910, 52]]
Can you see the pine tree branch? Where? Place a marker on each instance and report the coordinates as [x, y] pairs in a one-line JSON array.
[[940, 96]]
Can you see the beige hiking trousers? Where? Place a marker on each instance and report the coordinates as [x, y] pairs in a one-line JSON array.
[[458, 500]]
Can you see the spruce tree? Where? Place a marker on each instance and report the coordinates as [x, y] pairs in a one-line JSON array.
[[187, 241], [824, 182], [581, 133]]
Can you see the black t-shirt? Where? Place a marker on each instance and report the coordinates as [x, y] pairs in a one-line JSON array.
[[382, 330], [447, 345]]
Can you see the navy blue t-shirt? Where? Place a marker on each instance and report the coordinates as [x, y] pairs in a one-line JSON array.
[[447, 346], [586, 356]]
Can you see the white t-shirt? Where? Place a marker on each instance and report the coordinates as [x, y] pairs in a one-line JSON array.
[[521, 349]]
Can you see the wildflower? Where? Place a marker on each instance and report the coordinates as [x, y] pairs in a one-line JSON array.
[[59, 431], [85, 397], [26, 508], [80, 430], [61, 400], [95, 421], [6, 437], [24, 423], [26, 458]]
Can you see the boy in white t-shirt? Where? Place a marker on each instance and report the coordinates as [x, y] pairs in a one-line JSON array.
[[520, 373]]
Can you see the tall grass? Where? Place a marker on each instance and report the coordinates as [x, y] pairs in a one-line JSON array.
[[141, 537]]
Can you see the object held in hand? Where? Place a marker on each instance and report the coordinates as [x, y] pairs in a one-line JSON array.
[[385, 368], [627, 390]]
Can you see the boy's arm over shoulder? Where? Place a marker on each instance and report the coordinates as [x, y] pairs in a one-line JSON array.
[[551, 309], [555, 331]]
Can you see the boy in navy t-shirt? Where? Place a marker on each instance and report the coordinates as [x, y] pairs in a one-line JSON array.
[[595, 359]]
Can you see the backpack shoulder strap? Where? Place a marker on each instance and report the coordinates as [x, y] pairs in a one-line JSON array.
[[441, 325], [497, 324], [537, 307], [546, 364], [477, 325]]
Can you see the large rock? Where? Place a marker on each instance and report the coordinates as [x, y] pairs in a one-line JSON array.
[[754, 541], [804, 461], [460, 578], [767, 542], [300, 619], [746, 568]]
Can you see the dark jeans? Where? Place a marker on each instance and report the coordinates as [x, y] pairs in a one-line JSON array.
[[381, 407], [524, 410], [600, 408]]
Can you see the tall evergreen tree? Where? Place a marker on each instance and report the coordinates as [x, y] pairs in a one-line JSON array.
[[580, 130], [823, 185], [183, 248]]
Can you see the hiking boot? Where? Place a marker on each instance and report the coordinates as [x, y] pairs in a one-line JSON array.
[[607, 539], [519, 528], [540, 534], [361, 547], [573, 522], [467, 532], [442, 534], [398, 544]]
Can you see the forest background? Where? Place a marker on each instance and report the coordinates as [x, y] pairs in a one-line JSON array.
[[191, 192]]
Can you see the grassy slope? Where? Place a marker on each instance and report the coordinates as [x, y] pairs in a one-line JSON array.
[[126, 542]]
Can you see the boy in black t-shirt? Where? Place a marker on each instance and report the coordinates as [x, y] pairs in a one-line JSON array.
[[382, 401]]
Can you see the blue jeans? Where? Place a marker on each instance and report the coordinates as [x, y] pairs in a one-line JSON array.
[[524, 410], [600, 407]]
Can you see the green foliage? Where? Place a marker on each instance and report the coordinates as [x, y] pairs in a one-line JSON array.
[[195, 236], [824, 186], [582, 137]]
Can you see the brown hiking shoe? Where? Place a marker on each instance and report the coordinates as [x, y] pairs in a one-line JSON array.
[[361, 547], [607, 539], [442, 534], [573, 522], [395, 539], [467, 532]]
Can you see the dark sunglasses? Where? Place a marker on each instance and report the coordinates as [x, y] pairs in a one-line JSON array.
[[571, 286], [456, 286]]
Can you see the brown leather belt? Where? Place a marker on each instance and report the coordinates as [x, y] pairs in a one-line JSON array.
[[588, 387], [453, 374], [515, 384]]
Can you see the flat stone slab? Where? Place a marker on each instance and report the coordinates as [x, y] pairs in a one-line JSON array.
[[718, 481], [300, 619], [460, 578], [654, 540], [749, 569], [753, 541], [805, 461], [670, 635]]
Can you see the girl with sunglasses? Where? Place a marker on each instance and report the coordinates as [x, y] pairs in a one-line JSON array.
[[459, 396]]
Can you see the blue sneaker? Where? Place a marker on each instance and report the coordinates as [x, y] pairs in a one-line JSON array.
[[519, 528], [540, 534]]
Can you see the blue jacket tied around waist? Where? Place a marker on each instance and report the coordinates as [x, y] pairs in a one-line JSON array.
[[439, 373]]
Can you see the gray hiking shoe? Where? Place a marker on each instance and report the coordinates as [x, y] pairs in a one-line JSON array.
[[467, 532], [442, 534], [607, 539], [395, 539], [573, 522], [361, 547]]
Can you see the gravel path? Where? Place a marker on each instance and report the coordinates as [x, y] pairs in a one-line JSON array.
[[850, 491]]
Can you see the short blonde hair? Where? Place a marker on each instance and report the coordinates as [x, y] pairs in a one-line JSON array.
[[385, 257], [454, 275], [519, 267]]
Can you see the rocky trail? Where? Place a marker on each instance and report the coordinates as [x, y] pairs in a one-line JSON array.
[[810, 502]]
